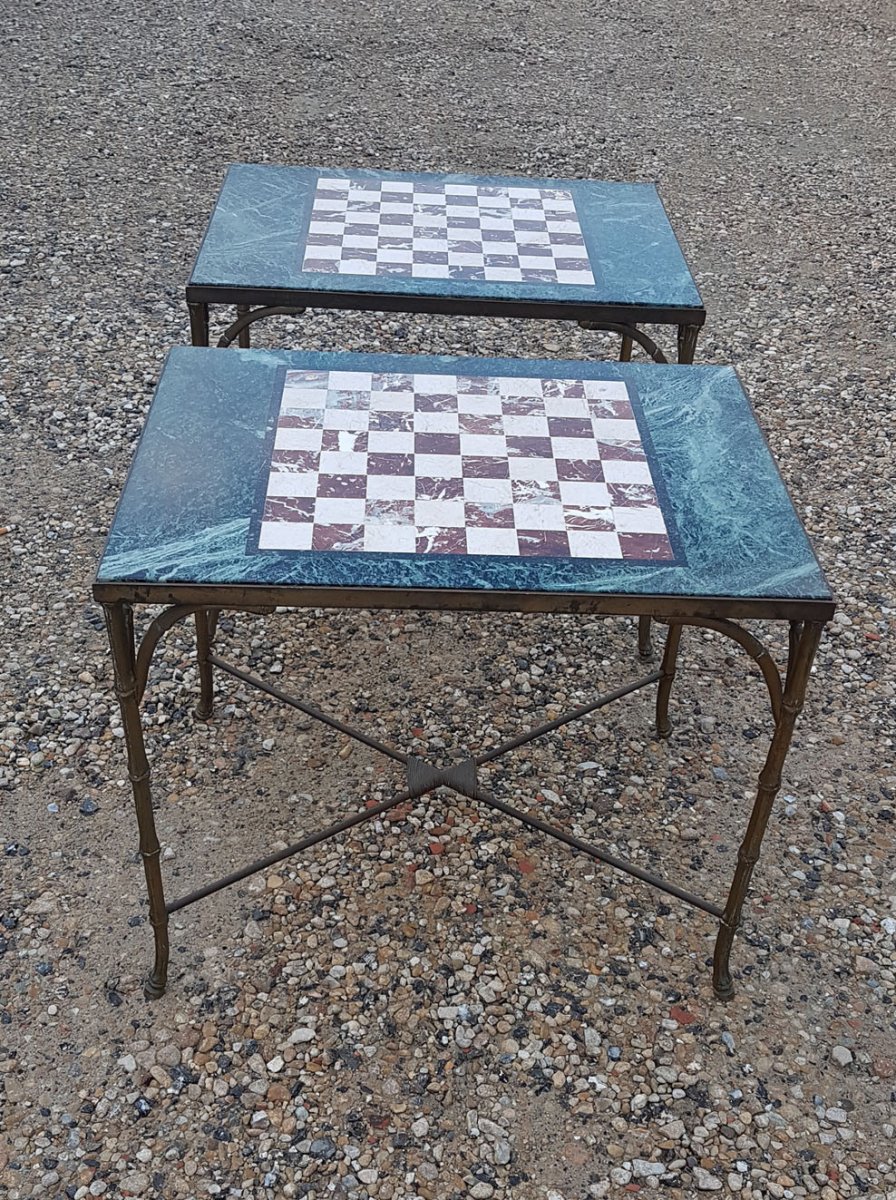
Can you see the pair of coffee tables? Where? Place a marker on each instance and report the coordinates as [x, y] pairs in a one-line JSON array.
[[277, 478]]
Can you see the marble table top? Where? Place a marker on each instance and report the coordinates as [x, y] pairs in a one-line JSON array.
[[296, 469], [548, 241]]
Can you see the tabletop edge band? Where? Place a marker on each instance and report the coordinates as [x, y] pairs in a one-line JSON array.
[[434, 599], [480, 306]]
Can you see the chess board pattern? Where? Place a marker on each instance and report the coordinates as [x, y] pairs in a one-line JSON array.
[[437, 230], [453, 464]]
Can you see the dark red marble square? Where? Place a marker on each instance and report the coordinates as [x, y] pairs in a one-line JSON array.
[[633, 495], [309, 418], [534, 491], [442, 541], [586, 470], [572, 388], [483, 515], [390, 464], [439, 489], [544, 543], [349, 487], [646, 546], [289, 508], [435, 402], [485, 468], [619, 410], [337, 537], [571, 427], [582, 517], [295, 460], [529, 447], [481, 423], [523, 406], [437, 443], [391, 422], [627, 451]]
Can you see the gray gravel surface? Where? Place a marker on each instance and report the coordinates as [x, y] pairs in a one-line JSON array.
[[444, 1006]]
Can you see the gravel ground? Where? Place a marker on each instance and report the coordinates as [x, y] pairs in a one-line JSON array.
[[444, 1006]]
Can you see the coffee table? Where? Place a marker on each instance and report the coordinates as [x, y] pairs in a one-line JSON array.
[[281, 239], [371, 481]]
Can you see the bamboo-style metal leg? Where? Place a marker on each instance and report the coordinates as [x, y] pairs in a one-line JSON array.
[[120, 629], [625, 350], [803, 644], [667, 676], [198, 324], [687, 342], [241, 310], [206, 621], [645, 646], [796, 628]]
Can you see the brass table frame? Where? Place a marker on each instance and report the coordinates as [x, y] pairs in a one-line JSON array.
[[610, 318], [131, 662]]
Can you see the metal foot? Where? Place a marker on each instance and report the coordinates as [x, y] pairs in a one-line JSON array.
[[722, 983]]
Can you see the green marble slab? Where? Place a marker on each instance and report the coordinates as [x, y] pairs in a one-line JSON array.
[[189, 511], [256, 240]]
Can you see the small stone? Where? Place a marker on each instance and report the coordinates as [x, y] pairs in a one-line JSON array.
[[420, 1127], [503, 1152], [842, 1056], [323, 1149], [728, 1041], [592, 1041], [276, 1064], [672, 1131], [135, 1185], [481, 1191], [642, 1168], [128, 1062], [88, 807], [705, 1181]]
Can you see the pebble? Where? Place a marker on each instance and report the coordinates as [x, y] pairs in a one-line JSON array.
[[705, 1181], [842, 1056]]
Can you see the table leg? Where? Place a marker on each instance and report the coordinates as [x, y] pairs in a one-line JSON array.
[[199, 324], [804, 643], [625, 351], [206, 623], [667, 676], [241, 310], [687, 342], [121, 640]]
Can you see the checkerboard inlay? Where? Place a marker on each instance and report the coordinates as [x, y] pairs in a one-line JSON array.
[[444, 230], [455, 464]]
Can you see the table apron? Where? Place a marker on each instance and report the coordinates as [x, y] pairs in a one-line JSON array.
[[238, 596], [471, 306]]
